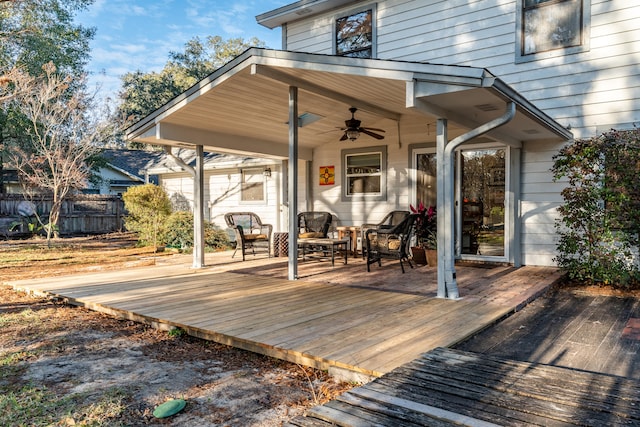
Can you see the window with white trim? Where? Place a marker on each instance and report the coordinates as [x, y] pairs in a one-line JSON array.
[[252, 188], [354, 35], [552, 27], [365, 173]]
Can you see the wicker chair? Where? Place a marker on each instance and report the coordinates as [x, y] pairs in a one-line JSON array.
[[251, 233], [313, 224], [392, 242], [392, 219]]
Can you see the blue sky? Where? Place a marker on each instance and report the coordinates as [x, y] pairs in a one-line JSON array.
[[139, 34]]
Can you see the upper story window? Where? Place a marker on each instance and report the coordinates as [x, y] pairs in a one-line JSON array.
[[354, 35], [552, 27]]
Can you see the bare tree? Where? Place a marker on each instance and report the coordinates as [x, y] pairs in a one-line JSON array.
[[61, 138], [8, 90]]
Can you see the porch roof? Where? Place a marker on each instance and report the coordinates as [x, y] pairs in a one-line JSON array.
[[242, 108]]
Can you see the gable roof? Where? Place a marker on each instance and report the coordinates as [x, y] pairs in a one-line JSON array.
[[166, 164], [243, 107], [131, 162]]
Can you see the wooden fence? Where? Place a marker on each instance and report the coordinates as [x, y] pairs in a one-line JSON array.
[[79, 215]]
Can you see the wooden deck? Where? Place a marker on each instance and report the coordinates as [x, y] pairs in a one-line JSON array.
[[451, 388], [338, 318]]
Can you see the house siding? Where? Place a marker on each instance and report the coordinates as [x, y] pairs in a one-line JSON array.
[[222, 195], [539, 199], [603, 89], [328, 197], [590, 91]]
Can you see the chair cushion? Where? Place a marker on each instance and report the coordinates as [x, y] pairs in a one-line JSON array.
[[251, 237], [310, 235], [394, 244]]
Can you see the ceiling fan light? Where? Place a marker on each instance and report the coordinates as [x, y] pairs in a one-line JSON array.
[[352, 134]]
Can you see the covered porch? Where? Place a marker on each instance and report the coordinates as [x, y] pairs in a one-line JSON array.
[[288, 106], [354, 324]]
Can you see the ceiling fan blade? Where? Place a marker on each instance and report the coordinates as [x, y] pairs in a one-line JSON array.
[[344, 137], [367, 132], [377, 130]]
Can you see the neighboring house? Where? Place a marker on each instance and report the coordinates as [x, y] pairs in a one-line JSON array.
[[231, 183], [9, 182], [474, 98], [124, 168]]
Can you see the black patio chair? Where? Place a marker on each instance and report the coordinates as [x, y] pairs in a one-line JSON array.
[[392, 219], [251, 233], [313, 224], [392, 242]]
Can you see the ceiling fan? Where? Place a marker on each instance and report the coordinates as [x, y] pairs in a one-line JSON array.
[[353, 129]]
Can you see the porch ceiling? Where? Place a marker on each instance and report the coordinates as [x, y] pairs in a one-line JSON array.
[[243, 107]]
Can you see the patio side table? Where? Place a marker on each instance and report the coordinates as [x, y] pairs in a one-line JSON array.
[[351, 232]]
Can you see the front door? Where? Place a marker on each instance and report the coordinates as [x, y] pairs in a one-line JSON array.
[[481, 185], [481, 229]]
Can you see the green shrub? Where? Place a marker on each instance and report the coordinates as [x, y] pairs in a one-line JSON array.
[[148, 208], [599, 221], [179, 233], [179, 230]]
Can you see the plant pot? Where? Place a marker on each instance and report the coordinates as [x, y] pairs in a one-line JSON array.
[[418, 255], [432, 257]]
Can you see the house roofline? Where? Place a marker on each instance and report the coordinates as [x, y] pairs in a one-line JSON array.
[[124, 172], [300, 9], [526, 107]]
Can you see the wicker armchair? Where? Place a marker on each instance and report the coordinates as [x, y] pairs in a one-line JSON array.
[[313, 224], [392, 219], [392, 242], [251, 233]]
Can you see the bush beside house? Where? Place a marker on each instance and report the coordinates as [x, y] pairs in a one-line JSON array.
[[599, 221], [150, 215]]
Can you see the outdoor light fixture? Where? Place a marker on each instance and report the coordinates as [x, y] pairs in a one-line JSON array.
[[267, 172], [352, 134]]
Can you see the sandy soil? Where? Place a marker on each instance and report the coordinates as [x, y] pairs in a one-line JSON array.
[[97, 370]]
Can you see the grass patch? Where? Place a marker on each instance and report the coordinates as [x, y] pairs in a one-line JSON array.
[[12, 358], [32, 405]]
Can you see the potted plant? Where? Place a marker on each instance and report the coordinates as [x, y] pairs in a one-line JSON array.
[[426, 234]]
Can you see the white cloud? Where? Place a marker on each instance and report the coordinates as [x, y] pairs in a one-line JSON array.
[[138, 35]]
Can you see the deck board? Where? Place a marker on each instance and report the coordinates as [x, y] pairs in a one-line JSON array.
[[367, 323], [451, 387]]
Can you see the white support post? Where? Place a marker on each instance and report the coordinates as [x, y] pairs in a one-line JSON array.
[[293, 183], [447, 286], [198, 209]]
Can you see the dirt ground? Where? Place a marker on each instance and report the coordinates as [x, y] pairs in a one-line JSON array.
[[63, 365]]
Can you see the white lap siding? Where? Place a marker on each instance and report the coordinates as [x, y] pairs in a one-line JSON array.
[[591, 91], [540, 198]]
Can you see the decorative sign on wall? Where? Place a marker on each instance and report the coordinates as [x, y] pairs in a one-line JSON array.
[[327, 175]]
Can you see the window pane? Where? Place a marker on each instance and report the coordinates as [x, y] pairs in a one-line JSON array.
[[551, 26], [364, 174], [426, 179], [364, 184], [354, 35], [252, 185], [363, 163]]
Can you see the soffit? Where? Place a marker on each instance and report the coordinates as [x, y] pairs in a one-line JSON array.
[[244, 108]]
